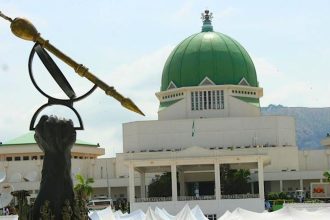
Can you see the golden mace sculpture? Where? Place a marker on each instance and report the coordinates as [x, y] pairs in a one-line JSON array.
[[24, 29]]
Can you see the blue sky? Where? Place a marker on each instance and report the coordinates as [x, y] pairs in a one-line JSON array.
[[126, 44]]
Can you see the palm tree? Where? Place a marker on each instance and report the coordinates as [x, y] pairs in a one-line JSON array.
[[326, 174], [83, 188]]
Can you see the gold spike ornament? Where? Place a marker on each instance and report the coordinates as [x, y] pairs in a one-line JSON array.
[[24, 29]]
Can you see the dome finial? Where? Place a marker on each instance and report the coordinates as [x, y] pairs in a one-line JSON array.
[[207, 18]]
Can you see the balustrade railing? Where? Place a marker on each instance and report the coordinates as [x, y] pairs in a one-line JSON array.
[[240, 196], [191, 198], [188, 198], [153, 199]]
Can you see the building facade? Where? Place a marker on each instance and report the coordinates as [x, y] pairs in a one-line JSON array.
[[209, 116]]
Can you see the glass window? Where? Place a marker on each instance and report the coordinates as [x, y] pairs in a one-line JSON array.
[[9, 158], [205, 100], [41, 157], [218, 99], [25, 157], [17, 158], [201, 100], [222, 100], [209, 98], [213, 100], [196, 100], [192, 101]]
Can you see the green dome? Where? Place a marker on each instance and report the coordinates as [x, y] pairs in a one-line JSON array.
[[208, 54]]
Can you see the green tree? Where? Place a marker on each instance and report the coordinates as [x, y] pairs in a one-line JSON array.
[[83, 188], [234, 181], [160, 186], [326, 174]]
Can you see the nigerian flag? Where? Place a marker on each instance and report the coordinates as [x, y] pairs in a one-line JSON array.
[[193, 129]]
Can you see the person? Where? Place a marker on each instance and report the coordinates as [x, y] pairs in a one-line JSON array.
[[7, 211], [267, 205]]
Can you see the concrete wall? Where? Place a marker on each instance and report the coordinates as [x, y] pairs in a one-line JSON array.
[[233, 107], [209, 132], [314, 159]]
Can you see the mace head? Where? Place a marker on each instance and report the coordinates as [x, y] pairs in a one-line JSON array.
[[24, 29]]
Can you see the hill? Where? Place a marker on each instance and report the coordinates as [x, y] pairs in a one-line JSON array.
[[312, 124]]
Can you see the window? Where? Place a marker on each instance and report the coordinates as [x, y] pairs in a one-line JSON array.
[[213, 99], [25, 157], [218, 99], [17, 158], [205, 100], [34, 158], [196, 100], [192, 101], [41, 157], [9, 158], [222, 100], [200, 100]]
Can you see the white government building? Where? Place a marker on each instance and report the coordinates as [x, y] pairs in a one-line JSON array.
[[209, 115]]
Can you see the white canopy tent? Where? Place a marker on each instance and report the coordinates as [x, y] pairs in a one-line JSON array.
[[158, 214], [286, 213]]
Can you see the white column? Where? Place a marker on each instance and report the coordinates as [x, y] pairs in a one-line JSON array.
[[217, 181], [127, 193], [181, 182], [143, 185], [252, 187], [261, 179], [281, 185], [109, 192], [174, 181], [301, 184], [131, 183]]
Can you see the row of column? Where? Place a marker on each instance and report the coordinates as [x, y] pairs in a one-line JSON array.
[[181, 182]]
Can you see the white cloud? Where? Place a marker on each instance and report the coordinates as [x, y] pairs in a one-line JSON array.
[[280, 88], [138, 80], [183, 12], [142, 71], [227, 12], [297, 93], [265, 68]]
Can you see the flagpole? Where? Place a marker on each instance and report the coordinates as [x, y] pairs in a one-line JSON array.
[[192, 133]]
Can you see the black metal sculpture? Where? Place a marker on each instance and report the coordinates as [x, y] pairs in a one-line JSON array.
[[60, 79], [54, 136]]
